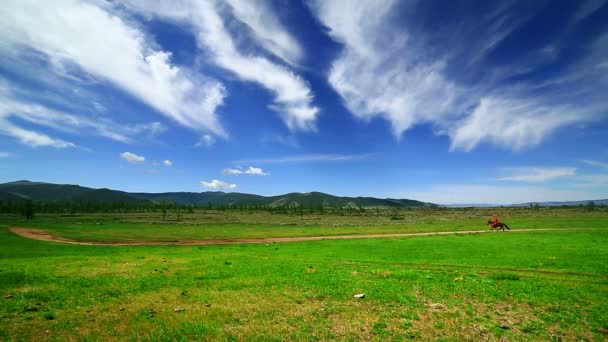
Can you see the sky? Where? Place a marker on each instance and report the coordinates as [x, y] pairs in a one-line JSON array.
[[447, 102]]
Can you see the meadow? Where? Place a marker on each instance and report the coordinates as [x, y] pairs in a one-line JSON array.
[[543, 285]]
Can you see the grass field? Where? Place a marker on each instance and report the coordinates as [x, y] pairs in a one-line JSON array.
[[550, 285], [216, 224]]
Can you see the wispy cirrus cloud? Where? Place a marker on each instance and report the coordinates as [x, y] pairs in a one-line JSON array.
[[40, 115], [31, 138], [595, 163], [536, 174], [216, 184], [512, 123], [267, 29], [395, 66], [308, 158], [293, 97], [88, 35]]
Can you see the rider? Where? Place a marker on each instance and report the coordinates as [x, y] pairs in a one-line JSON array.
[[495, 221]]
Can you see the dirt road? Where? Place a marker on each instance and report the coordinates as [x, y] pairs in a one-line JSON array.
[[42, 235]]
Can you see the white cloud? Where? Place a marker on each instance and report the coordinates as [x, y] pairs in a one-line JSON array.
[[31, 138], [308, 158], [596, 163], [409, 76], [39, 115], [292, 95], [536, 174], [206, 140], [107, 46], [218, 184], [167, 163], [513, 124], [132, 157], [267, 29], [232, 172], [255, 171], [379, 72]]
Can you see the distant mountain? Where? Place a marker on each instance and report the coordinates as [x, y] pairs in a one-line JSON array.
[[528, 204], [63, 192], [47, 192], [473, 205], [558, 204]]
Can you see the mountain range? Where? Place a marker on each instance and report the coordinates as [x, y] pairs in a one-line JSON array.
[[40, 191]]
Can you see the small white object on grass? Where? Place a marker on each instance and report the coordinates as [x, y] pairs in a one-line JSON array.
[[360, 295]]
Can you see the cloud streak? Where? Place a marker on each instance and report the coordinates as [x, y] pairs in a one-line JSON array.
[[393, 67], [267, 29], [308, 158], [536, 174], [106, 46], [39, 115], [595, 163], [293, 98]]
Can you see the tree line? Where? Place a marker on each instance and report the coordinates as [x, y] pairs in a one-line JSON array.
[[28, 208]]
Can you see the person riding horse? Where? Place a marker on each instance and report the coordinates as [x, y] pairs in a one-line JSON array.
[[496, 224], [495, 221]]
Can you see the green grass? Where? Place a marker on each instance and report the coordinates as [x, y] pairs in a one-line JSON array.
[[221, 224], [525, 286]]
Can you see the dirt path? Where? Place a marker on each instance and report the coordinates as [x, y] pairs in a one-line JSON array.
[[42, 235]]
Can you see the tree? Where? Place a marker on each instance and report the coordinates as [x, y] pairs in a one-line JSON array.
[[27, 209], [163, 209]]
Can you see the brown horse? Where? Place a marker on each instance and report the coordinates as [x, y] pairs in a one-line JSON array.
[[498, 226]]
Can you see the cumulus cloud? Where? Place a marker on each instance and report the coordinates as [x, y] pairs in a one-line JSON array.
[[293, 98], [536, 174], [167, 163], [255, 171], [132, 157], [218, 184], [412, 75], [96, 40]]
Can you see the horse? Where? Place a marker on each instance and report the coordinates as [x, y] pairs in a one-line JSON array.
[[498, 226]]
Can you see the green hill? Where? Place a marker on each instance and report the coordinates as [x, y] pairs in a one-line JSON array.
[[48, 192]]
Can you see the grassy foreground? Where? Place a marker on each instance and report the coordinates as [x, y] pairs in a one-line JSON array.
[[524, 286]]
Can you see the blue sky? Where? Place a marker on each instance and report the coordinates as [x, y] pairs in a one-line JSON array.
[[448, 102]]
